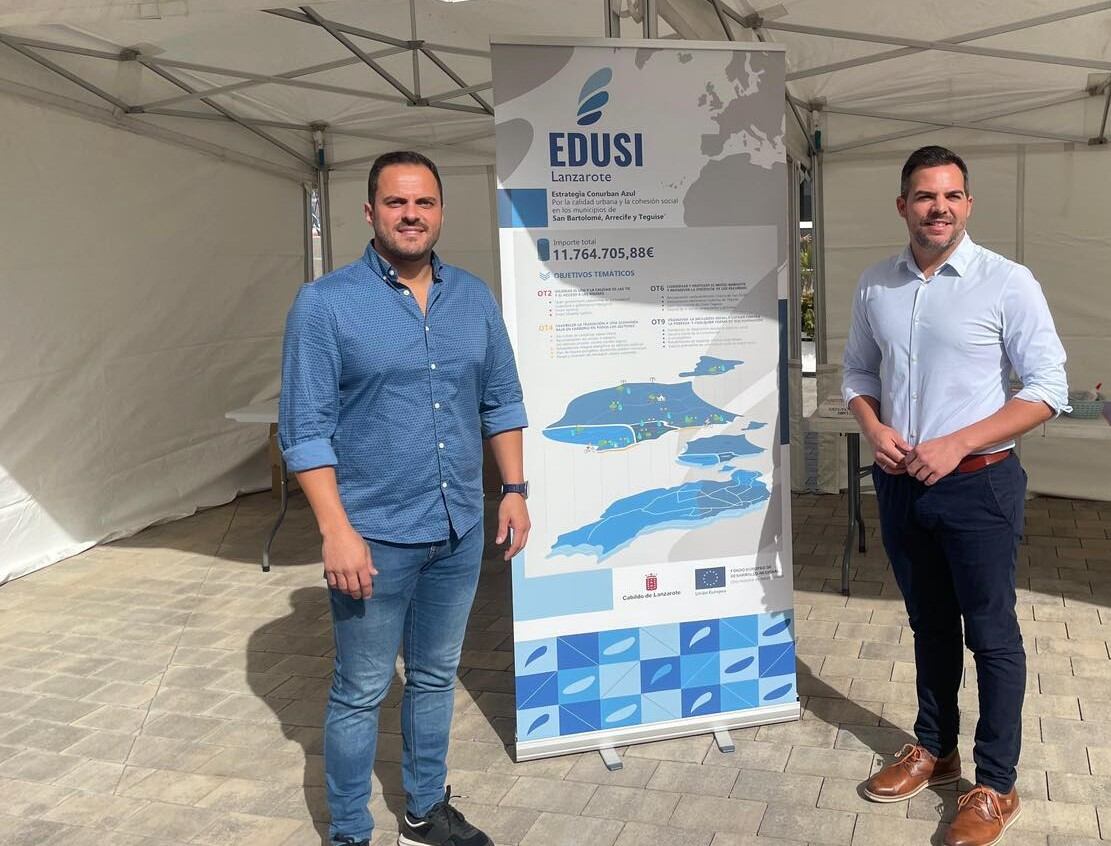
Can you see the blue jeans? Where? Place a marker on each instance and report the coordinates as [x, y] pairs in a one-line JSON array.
[[422, 598], [953, 548]]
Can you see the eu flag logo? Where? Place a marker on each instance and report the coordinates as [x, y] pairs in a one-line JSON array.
[[709, 577]]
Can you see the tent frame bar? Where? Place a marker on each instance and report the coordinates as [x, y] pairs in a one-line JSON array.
[[58, 69], [953, 124], [956, 39], [943, 46], [976, 124], [289, 78], [266, 136]]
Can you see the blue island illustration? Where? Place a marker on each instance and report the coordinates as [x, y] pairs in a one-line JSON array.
[[690, 504], [628, 414], [710, 366], [717, 449]]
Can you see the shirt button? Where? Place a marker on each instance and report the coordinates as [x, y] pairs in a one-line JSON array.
[[440, 444], [914, 358], [426, 329], [433, 366], [435, 405], [443, 484], [914, 396], [407, 293]]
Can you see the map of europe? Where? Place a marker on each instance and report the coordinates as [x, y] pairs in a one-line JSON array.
[[690, 504], [628, 414]]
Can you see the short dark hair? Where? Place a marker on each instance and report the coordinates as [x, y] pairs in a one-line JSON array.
[[932, 156], [400, 157]]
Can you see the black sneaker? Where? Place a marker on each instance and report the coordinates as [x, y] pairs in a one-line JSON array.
[[442, 826]]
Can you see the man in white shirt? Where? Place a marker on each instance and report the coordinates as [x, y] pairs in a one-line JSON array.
[[935, 334]]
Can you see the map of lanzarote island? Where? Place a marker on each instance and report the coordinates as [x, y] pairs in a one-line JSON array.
[[710, 366], [717, 449], [628, 414], [690, 504]]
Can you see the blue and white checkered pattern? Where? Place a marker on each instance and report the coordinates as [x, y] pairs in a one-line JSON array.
[[600, 681]]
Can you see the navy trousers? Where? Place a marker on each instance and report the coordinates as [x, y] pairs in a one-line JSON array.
[[953, 548]]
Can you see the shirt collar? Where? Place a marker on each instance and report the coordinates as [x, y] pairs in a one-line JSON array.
[[384, 269], [959, 260]]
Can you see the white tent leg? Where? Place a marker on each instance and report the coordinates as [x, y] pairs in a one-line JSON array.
[[323, 199]]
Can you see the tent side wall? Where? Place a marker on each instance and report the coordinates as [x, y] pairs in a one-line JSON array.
[[1057, 227], [144, 289]]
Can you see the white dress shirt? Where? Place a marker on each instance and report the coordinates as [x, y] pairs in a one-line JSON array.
[[937, 353]]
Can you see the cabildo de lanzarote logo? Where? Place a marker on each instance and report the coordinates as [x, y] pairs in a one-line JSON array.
[[594, 149]]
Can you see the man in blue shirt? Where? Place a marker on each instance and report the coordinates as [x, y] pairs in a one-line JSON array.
[[394, 370], [935, 334]]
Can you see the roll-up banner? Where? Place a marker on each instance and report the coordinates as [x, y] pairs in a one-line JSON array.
[[642, 210]]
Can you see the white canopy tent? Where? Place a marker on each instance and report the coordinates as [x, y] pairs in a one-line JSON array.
[[157, 155]]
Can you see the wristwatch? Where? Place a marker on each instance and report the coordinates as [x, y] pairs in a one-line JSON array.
[[521, 488]]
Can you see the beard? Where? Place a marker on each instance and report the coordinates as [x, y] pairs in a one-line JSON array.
[[388, 241], [923, 239]]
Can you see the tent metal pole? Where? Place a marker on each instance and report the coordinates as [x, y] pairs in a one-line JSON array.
[[651, 23], [456, 78], [185, 113], [300, 17], [306, 227], [613, 20], [955, 124], [416, 56], [354, 48], [818, 198], [1101, 138], [323, 199], [976, 124], [1020, 207], [458, 92], [169, 77], [58, 69], [62, 48], [723, 20], [942, 46], [118, 120], [289, 79], [956, 39], [794, 305]]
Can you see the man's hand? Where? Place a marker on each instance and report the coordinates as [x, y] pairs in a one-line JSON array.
[[891, 449], [513, 523], [347, 564], [934, 459]]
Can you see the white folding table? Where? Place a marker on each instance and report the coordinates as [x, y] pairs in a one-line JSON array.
[[266, 412]]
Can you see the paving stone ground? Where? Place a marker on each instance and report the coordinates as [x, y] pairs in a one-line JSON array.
[[162, 690]]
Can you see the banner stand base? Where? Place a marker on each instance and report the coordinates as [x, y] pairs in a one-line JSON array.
[[610, 758], [606, 742], [724, 740]]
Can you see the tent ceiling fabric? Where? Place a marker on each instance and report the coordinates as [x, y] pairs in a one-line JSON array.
[[1020, 72]]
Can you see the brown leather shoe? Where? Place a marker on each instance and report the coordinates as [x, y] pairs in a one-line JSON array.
[[912, 771], [983, 815]]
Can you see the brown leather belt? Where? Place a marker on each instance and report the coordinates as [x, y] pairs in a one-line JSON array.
[[979, 462]]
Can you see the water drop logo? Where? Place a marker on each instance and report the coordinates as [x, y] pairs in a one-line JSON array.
[[593, 97]]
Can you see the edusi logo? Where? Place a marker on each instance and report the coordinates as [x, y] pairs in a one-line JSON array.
[[593, 97]]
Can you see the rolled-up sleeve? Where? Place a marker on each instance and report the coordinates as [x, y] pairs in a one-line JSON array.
[[502, 404], [1033, 347], [309, 405], [862, 358]]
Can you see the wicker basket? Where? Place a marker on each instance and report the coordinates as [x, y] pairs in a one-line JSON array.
[[1086, 409]]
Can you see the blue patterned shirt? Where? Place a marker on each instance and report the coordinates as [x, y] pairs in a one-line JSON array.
[[396, 400]]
